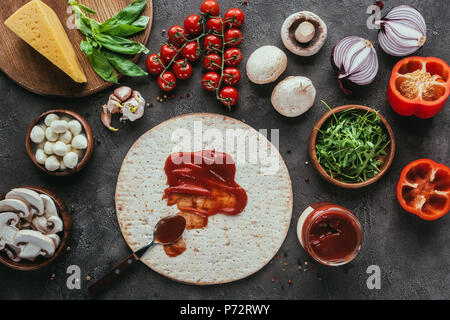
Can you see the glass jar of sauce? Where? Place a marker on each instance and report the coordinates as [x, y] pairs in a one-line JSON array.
[[330, 234]]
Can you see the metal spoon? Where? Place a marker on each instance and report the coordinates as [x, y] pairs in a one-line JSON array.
[[167, 231]]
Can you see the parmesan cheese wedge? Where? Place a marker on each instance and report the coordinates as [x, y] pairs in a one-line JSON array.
[[39, 26]]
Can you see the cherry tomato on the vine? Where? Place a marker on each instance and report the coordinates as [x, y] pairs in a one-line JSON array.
[[233, 57], [215, 24], [177, 35], [210, 81], [229, 96], [182, 69], [167, 81], [231, 76], [168, 52], [154, 64], [210, 7], [233, 37], [191, 51], [212, 43], [193, 24], [212, 62], [234, 18]]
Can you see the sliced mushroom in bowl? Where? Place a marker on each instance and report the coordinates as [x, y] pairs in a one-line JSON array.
[[34, 228]]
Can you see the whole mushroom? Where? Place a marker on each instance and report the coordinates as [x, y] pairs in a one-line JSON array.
[[126, 101], [304, 33], [266, 64], [293, 96]]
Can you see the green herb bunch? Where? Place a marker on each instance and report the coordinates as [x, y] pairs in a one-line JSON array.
[[106, 45], [351, 145]]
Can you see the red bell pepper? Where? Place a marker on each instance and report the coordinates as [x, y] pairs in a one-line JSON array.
[[424, 189], [419, 86]]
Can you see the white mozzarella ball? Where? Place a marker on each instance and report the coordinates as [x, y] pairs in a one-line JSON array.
[[79, 142], [48, 147], [66, 137], [75, 127], [37, 134], [71, 160], [52, 163], [41, 157], [51, 135], [50, 118], [59, 126], [60, 148]]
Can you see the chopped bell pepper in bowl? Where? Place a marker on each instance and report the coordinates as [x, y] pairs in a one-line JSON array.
[[419, 86], [424, 189]]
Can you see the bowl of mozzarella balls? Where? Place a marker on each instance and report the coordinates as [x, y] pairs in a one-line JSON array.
[[60, 142]]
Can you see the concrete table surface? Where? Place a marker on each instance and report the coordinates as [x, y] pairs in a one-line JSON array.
[[412, 254]]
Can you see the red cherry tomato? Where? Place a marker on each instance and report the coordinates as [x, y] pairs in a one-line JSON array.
[[167, 81], [233, 37], [212, 43], [193, 24], [229, 96], [177, 35], [191, 51], [215, 24], [182, 69], [154, 64], [231, 76], [212, 62], [168, 52], [210, 81], [210, 7], [234, 18], [232, 57]]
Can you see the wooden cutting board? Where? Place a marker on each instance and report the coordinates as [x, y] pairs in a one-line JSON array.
[[34, 72]]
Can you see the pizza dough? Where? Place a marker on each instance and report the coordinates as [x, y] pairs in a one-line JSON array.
[[229, 248]]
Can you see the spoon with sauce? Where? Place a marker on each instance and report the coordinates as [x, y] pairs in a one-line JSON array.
[[167, 231]]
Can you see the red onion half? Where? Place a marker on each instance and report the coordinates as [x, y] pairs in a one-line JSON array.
[[356, 61], [402, 31]]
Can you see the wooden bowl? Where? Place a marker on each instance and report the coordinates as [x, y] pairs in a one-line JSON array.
[[42, 262], [87, 153], [315, 162]]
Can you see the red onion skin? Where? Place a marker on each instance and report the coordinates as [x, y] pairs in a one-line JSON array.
[[344, 83], [382, 30]]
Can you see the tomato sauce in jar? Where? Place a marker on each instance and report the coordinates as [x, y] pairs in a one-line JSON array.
[[330, 234]]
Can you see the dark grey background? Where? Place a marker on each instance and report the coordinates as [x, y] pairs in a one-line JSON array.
[[413, 254]]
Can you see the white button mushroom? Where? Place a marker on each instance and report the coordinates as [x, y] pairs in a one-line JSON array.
[[266, 64], [75, 127], [50, 118], [40, 156], [37, 134], [51, 135], [52, 163], [293, 96], [79, 142], [62, 166], [71, 160], [66, 137], [48, 148], [60, 148], [59, 126]]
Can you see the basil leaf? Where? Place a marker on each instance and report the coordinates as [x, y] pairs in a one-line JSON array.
[[102, 66], [126, 16], [83, 7], [86, 47], [124, 30], [124, 65], [141, 22], [119, 44]]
